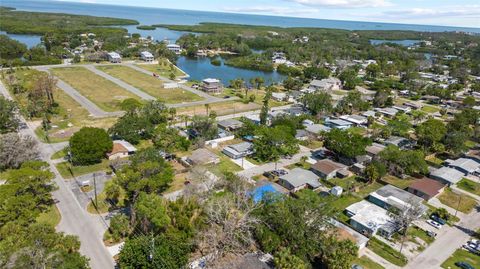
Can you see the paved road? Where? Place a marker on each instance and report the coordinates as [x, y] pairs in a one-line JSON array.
[[75, 220], [120, 83], [205, 95], [92, 108], [447, 242]]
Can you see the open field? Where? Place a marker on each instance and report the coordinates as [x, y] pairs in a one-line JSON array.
[[149, 84], [63, 168], [104, 93], [452, 199], [222, 108], [70, 112], [163, 68], [462, 256]]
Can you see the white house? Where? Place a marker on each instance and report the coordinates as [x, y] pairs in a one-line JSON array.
[[114, 57], [121, 149], [175, 48], [147, 56]]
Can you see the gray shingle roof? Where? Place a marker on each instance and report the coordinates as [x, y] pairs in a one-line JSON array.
[[298, 177]]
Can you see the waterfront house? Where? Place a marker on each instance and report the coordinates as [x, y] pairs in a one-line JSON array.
[[114, 57], [212, 85], [175, 48], [147, 56]]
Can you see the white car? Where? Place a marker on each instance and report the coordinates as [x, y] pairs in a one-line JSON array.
[[434, 224]]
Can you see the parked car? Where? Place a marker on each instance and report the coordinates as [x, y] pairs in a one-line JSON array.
[[438, 219], [464, 265], [434, 224], [275, 173], [431, 234], [356, 266]]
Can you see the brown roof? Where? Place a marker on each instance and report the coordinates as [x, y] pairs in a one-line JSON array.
[[118, 148], [327, 166], [428, 186]]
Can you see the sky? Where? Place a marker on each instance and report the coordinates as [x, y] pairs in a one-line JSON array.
[[464, 13]]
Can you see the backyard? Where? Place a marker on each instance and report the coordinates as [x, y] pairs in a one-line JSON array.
[[104, 93], [149, 84]]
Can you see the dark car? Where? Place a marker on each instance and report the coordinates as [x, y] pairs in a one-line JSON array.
[[464, 265], [438, 219]]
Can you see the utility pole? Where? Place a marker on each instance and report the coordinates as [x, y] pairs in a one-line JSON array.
[[95, 189], [458, 205]]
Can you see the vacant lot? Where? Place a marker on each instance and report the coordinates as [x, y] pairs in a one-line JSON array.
[[149, 84], [222, 108], [104, 93], [464, 203], [163, 68]]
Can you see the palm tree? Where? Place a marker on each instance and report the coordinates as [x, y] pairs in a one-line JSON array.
[[207, 108]]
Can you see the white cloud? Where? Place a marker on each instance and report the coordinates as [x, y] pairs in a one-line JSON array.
[[344, 3], [271, 10], [472, 11]]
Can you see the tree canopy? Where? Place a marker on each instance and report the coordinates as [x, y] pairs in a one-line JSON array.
[[89, 145]]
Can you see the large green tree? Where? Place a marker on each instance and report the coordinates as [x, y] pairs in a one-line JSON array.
[[8, 119], [89, 145], [271, 143], [318, 103], [430, 133], [401, 162], [345, 143]]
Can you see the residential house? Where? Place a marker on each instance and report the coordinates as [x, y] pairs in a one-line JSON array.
[[328, 84], [465, 165], [147, 56], [121, 149], [279, 96], [202, 156], [239, 150], [298, 179], [370, 219], [301, 135], [175, 48], [403, 108], [114, 57], [230, 124], [327, 169], [390, 196], [212, 85], [316, 129], [387, 111], [447, 175], [374, 149], [412, 105], [338, 123], [400, 142], [355, 119], [255, 118], [426, 188], [369, 113]]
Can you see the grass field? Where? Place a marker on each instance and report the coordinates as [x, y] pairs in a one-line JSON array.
[[222, 108], [163, 69], [149, 84], [430, 109], [386, 252], [397, 182], [469, 186], [451, 199], [59, 154], [81, 170], [50, 217], [462, 256], [104, 93], [366, 263]]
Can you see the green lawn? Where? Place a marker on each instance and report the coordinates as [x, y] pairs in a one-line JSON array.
[[386, 252], [340, 203], [362, 188], [470, 186], [397, 182], [415, 232], [452, 199], [462, 256], [149, 84], [50, 217], [225, 165], [366, 263], [163, 68], [104, 93], [63, 168], [430, 109], [60, 154]]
